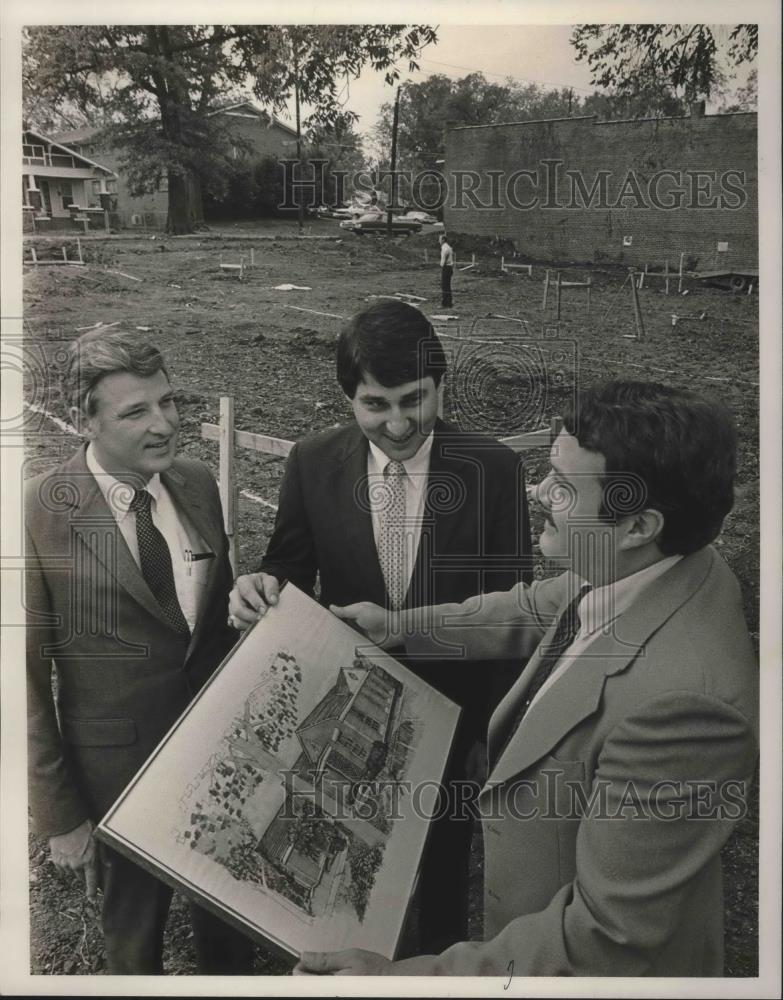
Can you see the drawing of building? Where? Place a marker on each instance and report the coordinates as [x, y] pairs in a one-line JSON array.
[[344, 740]]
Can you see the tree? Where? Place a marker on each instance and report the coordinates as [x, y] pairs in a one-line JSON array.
[[744, 98], [687, 58], [156, 83]]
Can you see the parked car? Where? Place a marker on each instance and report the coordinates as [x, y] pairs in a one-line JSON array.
[[416, 216], [375, 223]]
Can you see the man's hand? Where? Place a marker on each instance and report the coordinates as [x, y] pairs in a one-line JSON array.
[[353, 962], [251, 597], [76, 849], [372, 620]]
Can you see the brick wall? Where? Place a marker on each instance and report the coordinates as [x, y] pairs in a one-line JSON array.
[[618, 212]]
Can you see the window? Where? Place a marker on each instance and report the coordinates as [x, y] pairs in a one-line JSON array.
[[111, 186], [66, 192], [163, 184], [354, 746], [96, 187], [372, 723]]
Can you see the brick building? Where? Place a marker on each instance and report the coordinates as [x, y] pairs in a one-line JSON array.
[[246, 123], [631, 192]]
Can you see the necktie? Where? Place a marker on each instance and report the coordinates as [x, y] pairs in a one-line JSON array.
[[391, 540], [155, 559], [568, 626]]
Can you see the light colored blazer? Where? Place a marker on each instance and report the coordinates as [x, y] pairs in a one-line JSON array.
[[649, 721], [123, 674]]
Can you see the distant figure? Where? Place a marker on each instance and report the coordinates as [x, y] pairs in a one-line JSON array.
[[446, 270]]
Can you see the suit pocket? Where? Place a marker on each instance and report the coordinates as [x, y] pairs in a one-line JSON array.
[[99, 732]]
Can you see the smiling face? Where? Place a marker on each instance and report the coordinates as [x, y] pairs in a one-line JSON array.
[[571, 497], [396, 419], [135, 425]]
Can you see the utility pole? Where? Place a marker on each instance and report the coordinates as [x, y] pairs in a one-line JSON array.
[[298, 145], [393, 199]]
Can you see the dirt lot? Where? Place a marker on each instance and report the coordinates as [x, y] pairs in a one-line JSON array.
[[272, 350]]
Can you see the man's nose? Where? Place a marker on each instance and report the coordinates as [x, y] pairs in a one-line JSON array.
[[162, 423], [397, 424]]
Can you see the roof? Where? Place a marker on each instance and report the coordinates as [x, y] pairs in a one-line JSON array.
[[241, 108], [68, 151]]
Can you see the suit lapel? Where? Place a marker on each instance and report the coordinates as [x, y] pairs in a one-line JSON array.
[[577, 695], [95, 526], [354, 518]]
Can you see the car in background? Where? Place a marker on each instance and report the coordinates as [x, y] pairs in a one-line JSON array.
[[374, 223], [417, 216]]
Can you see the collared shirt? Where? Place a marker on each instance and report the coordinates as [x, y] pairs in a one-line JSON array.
[[417, 471], [181, 537], [600, 608], [446, 255]]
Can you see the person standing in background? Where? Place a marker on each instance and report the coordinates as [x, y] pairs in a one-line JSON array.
[[446, 271]]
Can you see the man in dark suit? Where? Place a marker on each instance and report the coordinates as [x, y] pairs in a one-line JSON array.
[[402, 509], [126, 589], [620, 760]]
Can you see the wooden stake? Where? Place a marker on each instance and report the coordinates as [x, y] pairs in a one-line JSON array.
[[227, 473], [557, 295], [679, 283], [589, 291], [666, 272], [637, 312], [79, 250], [546, 290]]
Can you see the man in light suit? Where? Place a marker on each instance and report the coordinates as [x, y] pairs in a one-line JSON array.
[[619, 761], [462, 526], [126, 592]]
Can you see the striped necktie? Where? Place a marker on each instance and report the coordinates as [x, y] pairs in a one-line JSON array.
[[568, 625], [391, 538], [155, 559]]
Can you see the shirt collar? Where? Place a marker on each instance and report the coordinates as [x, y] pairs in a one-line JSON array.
[[118, 495], [603, 604], [416, 467]]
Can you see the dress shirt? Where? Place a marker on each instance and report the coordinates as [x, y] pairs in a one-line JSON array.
[[181, 537], [416, 478], [600, 608]]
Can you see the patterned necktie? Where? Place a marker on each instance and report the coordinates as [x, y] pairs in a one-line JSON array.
[[391, 539], [568, 626], [155, 559]]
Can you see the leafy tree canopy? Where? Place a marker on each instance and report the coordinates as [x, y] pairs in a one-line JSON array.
[[154, 84], [687, 57]]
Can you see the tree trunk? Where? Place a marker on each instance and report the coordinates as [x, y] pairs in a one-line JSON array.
[[179, 217], [196, 203]]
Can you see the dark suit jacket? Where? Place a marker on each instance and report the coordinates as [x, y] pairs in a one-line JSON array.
[[658, 712], [123, 674], [475, 537]]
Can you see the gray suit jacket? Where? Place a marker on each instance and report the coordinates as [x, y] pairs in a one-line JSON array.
[[604, 814], [123, 674]]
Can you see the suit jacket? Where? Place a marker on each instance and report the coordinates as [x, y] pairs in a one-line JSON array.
[[475, 536], [123, 674], [628, 883]]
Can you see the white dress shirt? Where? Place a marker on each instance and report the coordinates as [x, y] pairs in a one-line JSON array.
[[181, 537], [600, 608], [416, 476], [446, 255]]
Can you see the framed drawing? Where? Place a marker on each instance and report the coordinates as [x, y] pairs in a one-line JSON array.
[[293, 796]]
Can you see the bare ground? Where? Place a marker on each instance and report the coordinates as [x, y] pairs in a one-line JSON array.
[[273, 352]]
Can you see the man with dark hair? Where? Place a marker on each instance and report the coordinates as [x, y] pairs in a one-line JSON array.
[[619, 761], [403, 510], [126, 588]]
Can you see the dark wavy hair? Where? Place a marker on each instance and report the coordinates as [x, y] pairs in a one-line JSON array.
[[393, 342], [665, 448]]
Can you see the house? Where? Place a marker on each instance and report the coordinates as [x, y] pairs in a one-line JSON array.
[[258, 131], [340, 740], [61, 184]]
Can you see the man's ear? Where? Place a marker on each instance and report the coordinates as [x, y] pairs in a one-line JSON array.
[[80, 421], [641, 529]]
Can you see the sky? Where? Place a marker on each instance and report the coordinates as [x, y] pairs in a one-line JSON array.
[[538, 54]]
